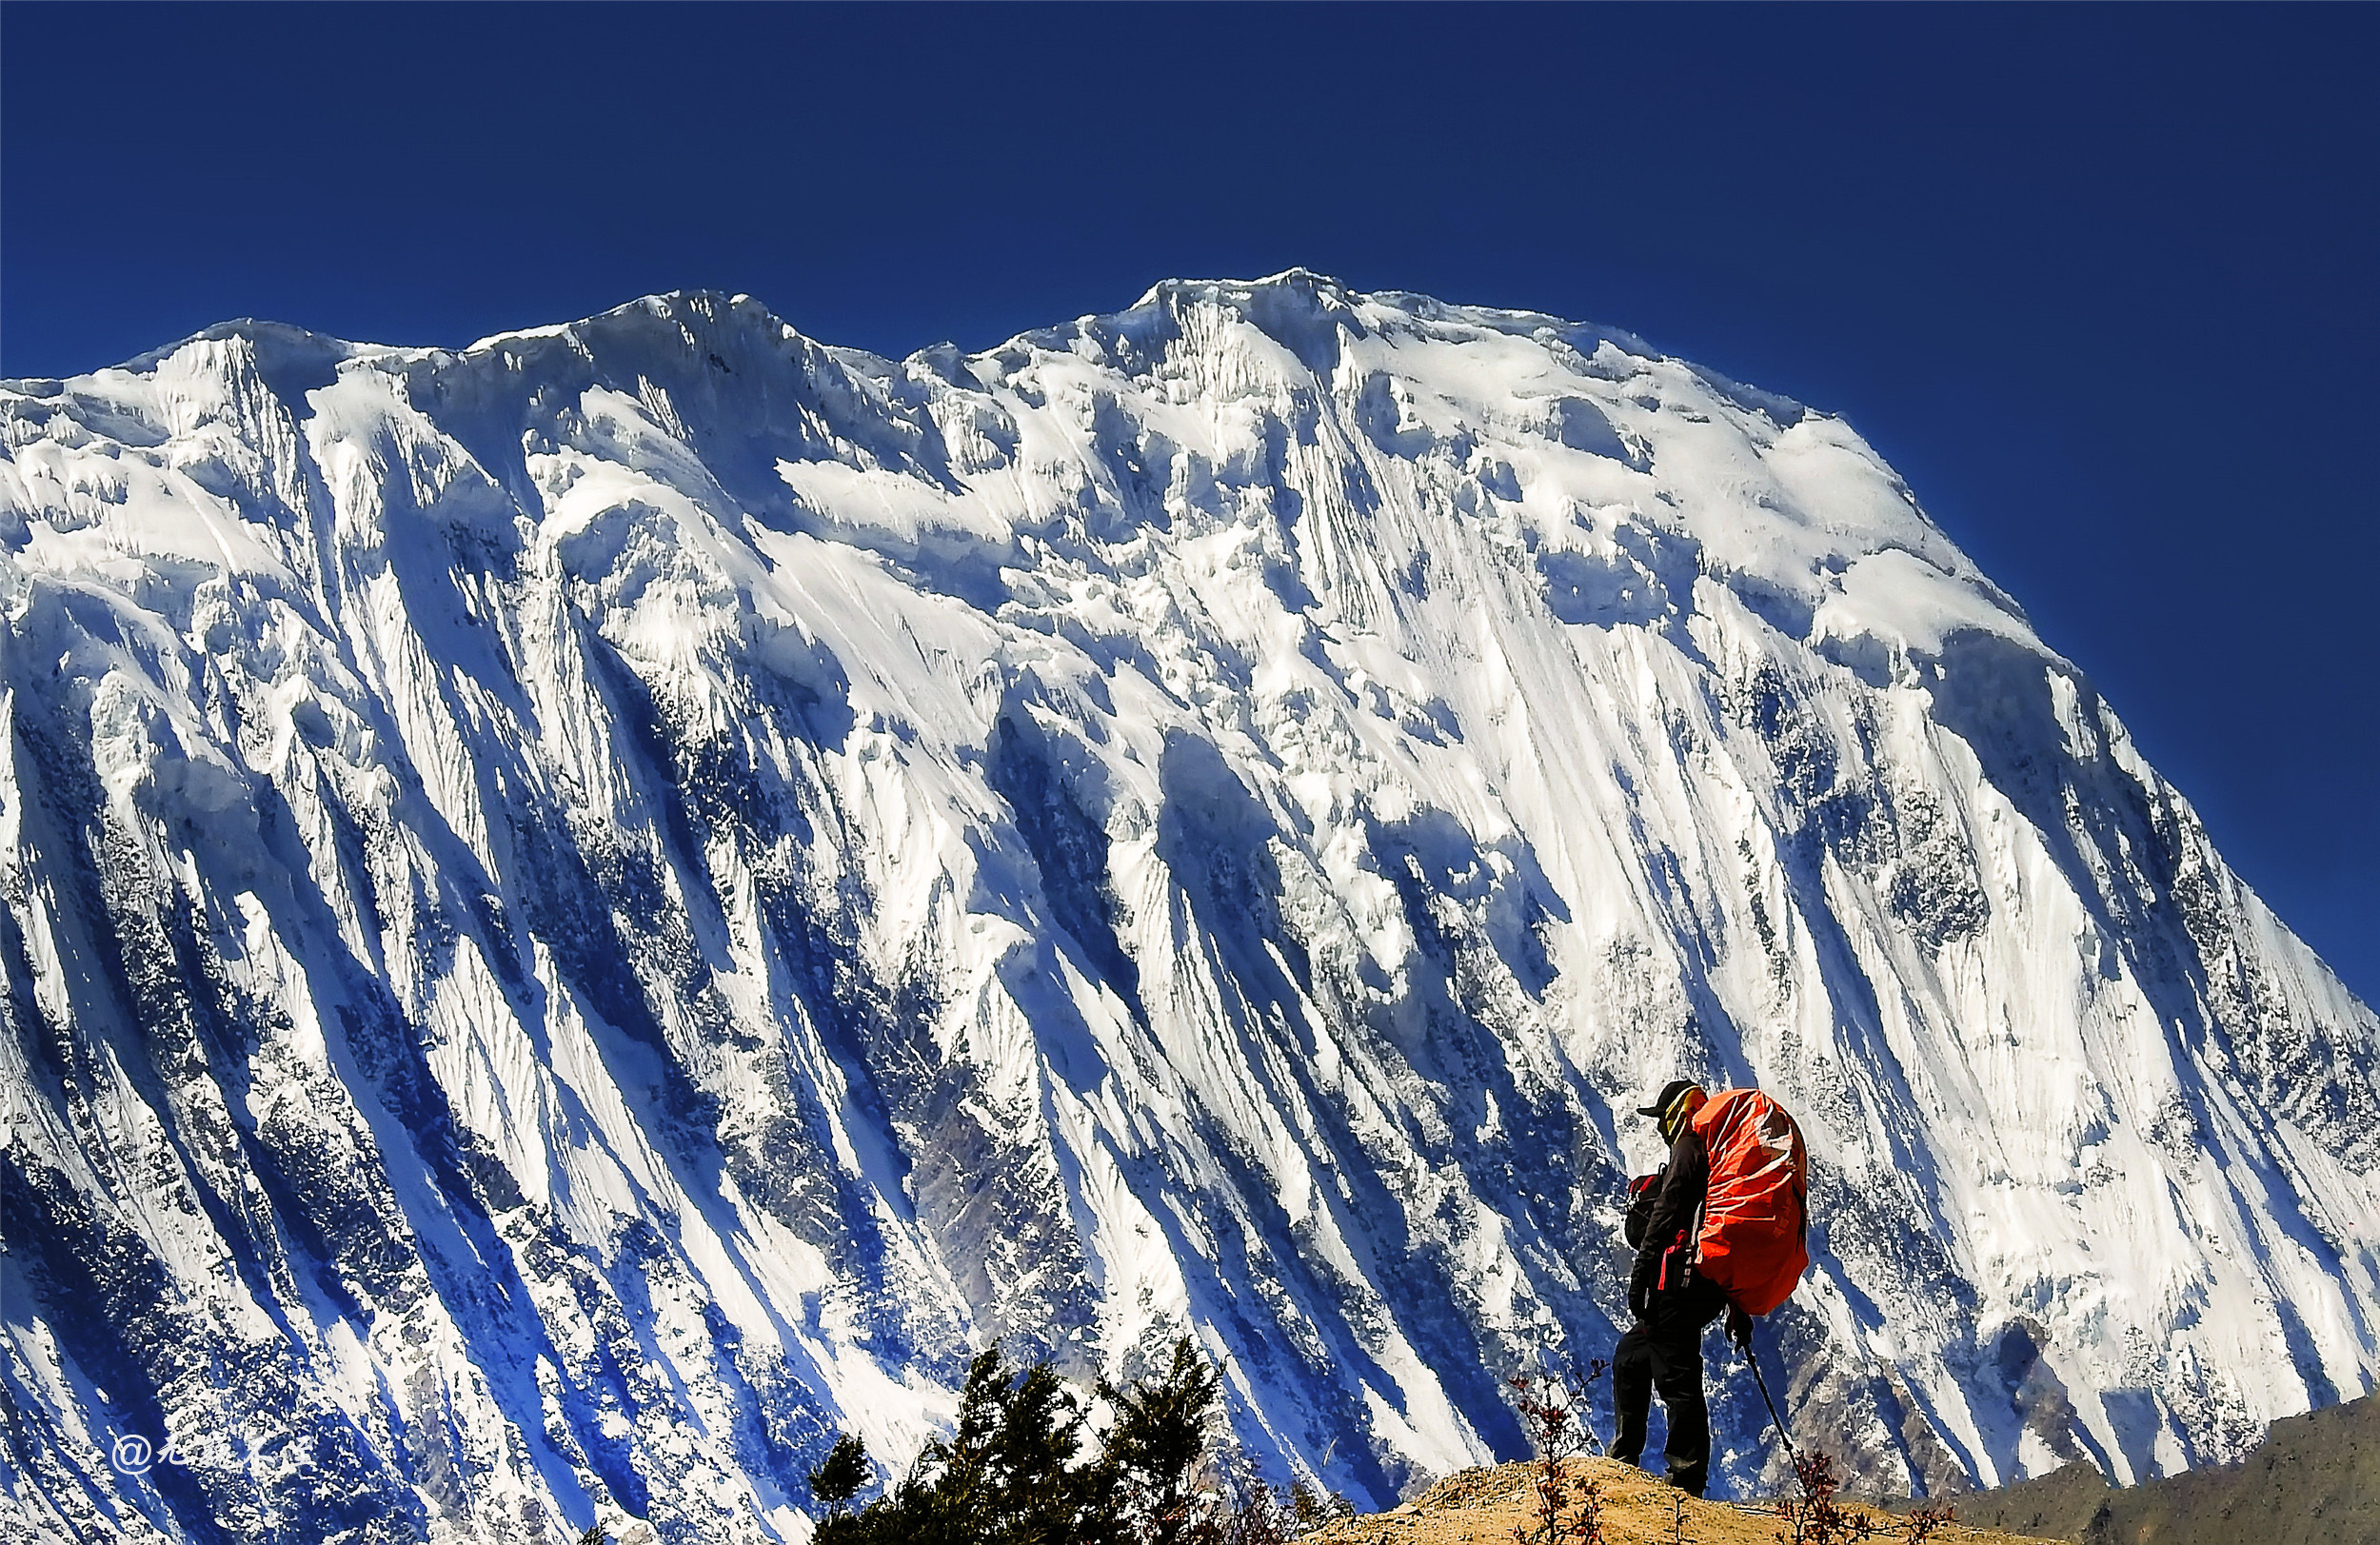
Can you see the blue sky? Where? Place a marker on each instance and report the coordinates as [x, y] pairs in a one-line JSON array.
[[2100, 281]]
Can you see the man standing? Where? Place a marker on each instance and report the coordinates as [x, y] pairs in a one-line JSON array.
[[1672, 1302]]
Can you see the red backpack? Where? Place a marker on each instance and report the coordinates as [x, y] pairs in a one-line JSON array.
[[1755, 1225]]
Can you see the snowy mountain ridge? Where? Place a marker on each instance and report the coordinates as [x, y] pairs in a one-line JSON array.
[[582, 913]]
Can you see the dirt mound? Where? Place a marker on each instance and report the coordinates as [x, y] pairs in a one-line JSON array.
[[1486, 1505]]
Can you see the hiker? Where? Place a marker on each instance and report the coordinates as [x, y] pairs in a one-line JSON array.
[[1723, 1226], [1672, 1302]]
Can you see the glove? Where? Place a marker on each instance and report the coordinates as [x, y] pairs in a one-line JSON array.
[[1640, 1288], [1739, 1328]]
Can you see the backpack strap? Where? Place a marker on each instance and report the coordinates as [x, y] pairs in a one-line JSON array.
[[1683, 1245]]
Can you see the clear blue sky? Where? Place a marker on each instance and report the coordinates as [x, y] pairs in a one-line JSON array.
[[2101, 282]]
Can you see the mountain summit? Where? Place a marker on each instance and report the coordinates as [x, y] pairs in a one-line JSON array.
[[581, 914]]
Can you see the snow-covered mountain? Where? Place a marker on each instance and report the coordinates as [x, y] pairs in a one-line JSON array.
[[583, 913]]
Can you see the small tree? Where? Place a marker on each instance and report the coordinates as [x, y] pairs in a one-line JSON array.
[[1678, 1535], [1159, 1438], [837, 1481], [1817, 1519], [1249, 1513], [1925, 1519], [1245, 1510], [1568, 1512]]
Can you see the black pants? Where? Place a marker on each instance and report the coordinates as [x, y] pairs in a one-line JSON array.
[[1664, 1352]]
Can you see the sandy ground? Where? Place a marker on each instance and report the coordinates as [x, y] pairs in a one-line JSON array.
[[1486, 1505]]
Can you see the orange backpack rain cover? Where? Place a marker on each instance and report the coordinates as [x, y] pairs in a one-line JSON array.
[[1752, 1243]]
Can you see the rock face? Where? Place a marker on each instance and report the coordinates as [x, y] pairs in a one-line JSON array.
[[580, 914], [2313, 1480]]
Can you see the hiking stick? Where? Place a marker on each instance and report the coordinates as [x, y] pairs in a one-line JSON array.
[[1767, 1400]]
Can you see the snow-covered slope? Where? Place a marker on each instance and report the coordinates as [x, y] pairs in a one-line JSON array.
[[581, 914]]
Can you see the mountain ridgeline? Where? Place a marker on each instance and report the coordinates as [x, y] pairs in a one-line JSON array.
[[583, 914]]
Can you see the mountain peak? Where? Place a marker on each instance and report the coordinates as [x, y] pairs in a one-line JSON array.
[[690, 309], [1297, 279], [592, 911]]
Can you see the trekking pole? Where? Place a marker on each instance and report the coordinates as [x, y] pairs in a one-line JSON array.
[[1769, 1401]]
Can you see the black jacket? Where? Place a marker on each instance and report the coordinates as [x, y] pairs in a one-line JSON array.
[[1666, 1254]]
